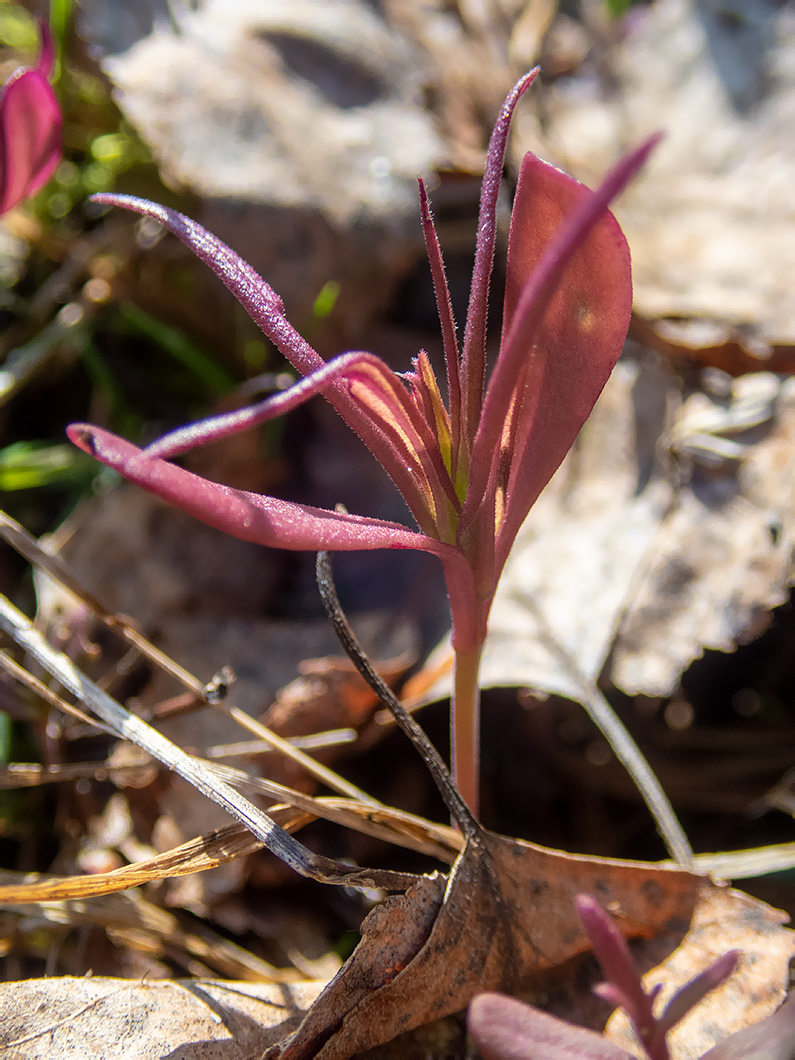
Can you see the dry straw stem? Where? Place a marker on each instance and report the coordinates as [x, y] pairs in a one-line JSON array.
[[624, 748], [146, 927], [201, 776], [40, 557]]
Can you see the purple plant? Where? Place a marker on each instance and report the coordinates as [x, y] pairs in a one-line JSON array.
[[507, 1029], [470, 471], [30, 129], [624, 987]]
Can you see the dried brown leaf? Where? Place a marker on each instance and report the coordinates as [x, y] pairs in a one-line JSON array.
[[506, 915], [710, 224], [206, 852], [76, 1018], [723, 919], [328, 694]]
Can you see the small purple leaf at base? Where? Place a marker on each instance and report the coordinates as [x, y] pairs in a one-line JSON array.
[[507, 1029]]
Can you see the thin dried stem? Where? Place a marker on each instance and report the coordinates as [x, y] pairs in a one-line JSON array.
[[126, 725], [29, 547], [459, 810], [624, 747]]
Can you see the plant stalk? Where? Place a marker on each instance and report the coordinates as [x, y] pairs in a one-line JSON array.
[[465, 726]]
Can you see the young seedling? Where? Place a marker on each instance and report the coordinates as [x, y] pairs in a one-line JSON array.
[[469, 471], [507, 1029], [30, 129], [624, 987]]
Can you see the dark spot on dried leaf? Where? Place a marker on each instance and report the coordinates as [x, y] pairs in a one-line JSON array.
[[344, 82], [653, 893]]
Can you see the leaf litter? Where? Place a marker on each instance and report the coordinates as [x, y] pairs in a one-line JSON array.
[[709, 226], [503, 916], [634, 564]]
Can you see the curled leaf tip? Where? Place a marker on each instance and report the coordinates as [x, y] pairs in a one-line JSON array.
[[82, 435]]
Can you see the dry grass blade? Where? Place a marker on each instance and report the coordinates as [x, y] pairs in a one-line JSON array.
[[207, 852], [32, 775], [316, 741], [46, 694], [126, 725], [139, 924], [393, 826], [622, 744], [285, 747], [235, 841], [40, 557], [406, 829], [743, 864]]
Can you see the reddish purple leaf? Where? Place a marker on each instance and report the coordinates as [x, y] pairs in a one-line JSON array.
[[771, 1039], [469, 473], [507, 1029], [697, 989], [624, 985], [30, 130], [567, 307], [249, 516]]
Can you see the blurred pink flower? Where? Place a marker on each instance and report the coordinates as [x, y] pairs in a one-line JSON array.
[[30, 129]]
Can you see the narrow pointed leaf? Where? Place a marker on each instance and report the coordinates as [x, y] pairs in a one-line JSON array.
[[473, 357], [567, 308], [277, 523], [617, 962], [697, 989], [426, 387], [446, 318], [387, 398], [267, 311], [214, 428], [249, 516], [397, 415], [582, 329]]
